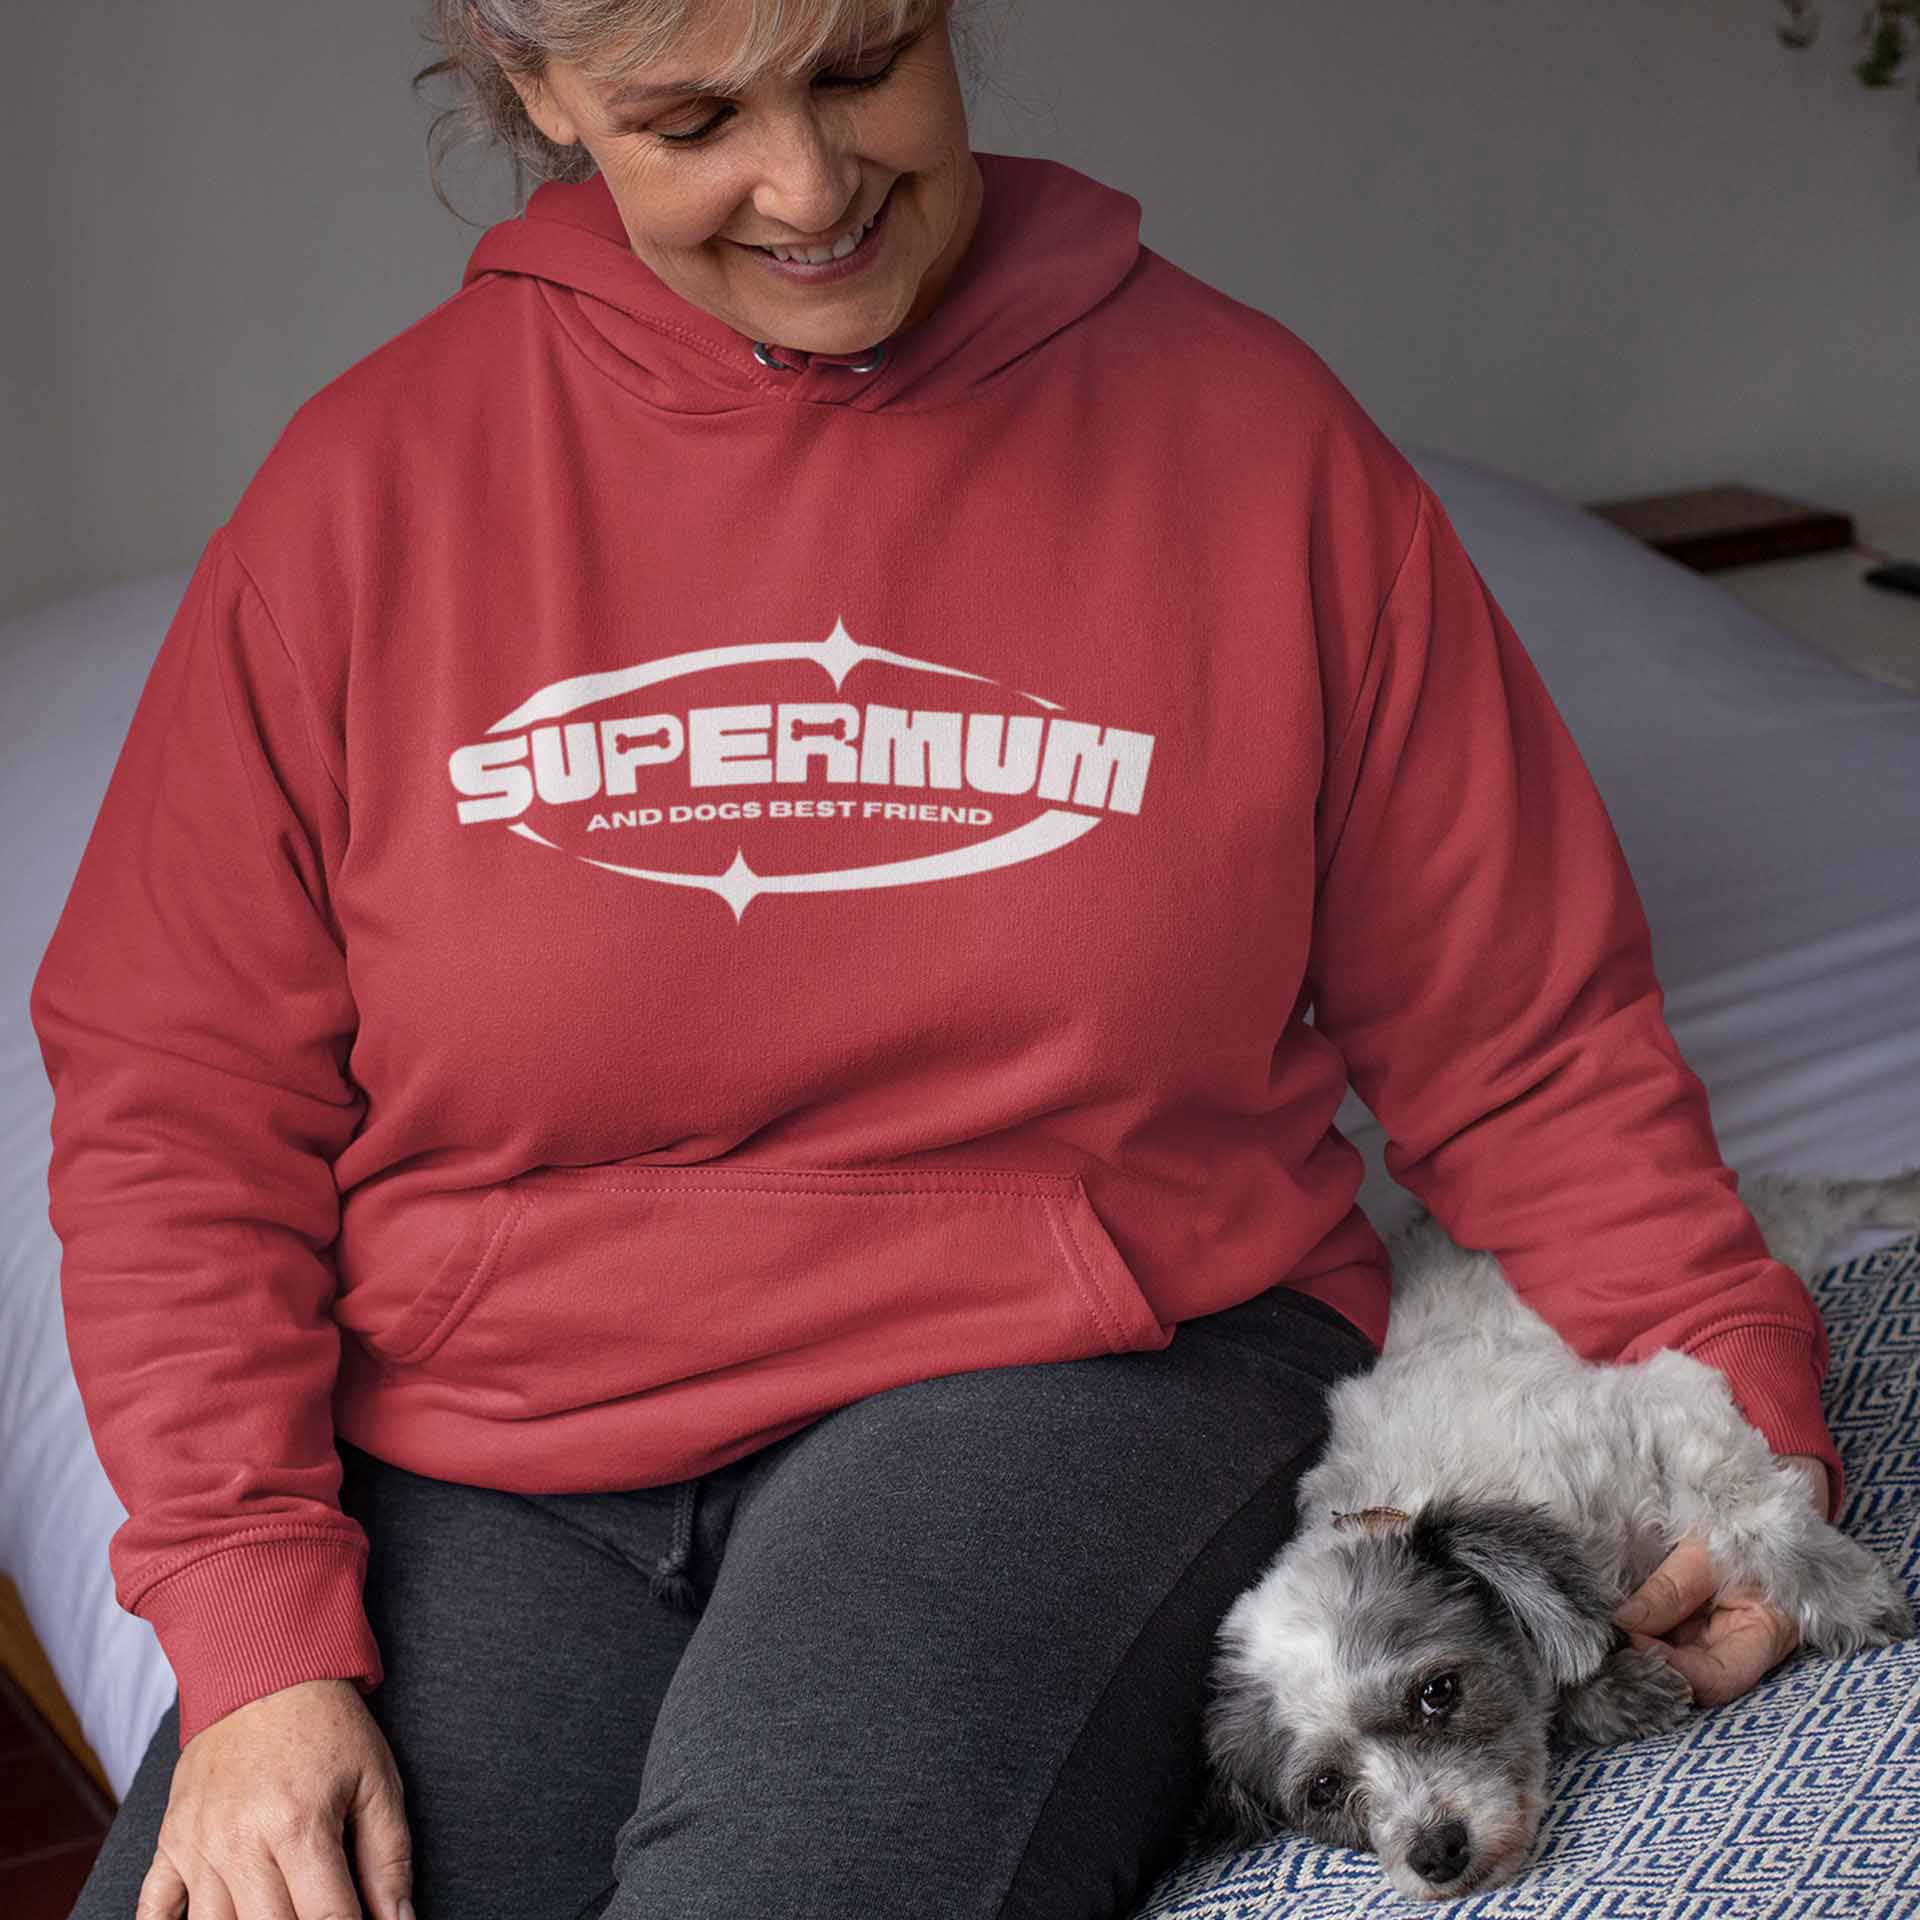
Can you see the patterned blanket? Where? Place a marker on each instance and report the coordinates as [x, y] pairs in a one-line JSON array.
[[1800, 1801]]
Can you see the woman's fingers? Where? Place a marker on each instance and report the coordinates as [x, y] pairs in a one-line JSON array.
[[382, 1844], [1744, 1640], [1694, 1627], [1681, 1584], [1722, 1642], [163, 1894], [211, 1899], [310, 1880]]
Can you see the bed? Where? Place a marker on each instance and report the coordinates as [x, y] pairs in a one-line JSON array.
[[1769, 804]]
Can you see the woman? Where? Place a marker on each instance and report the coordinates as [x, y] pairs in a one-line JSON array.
[[700, 954]]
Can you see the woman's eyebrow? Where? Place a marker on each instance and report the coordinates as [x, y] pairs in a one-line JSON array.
[[631, 96]]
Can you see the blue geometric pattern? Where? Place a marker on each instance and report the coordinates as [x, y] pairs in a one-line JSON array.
[[1799, 1801]]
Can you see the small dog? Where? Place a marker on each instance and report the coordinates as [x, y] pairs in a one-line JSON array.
[[1485, 1501]]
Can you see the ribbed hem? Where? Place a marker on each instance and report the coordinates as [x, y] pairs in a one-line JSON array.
[[250, 1619], [1771, 1371]]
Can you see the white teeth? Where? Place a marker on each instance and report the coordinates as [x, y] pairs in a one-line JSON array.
[[819, 256]]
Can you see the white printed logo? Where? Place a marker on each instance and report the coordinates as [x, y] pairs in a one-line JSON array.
[[575, 763]]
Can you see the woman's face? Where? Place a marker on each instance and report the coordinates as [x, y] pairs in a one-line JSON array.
[[794, 162]]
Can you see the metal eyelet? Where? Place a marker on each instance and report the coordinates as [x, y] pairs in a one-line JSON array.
[[765, 355]]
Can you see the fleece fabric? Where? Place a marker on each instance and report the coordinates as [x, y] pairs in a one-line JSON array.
[[660, 884]]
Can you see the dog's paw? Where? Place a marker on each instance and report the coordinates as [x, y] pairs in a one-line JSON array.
[[1889, 1610], [1848, 1600], [1880, 1615], [1636, 1692]]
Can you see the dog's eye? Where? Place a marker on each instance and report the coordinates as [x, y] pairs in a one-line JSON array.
[[1438, 1694], [1325, 1789]]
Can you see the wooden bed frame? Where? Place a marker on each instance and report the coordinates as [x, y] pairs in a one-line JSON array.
[[25, 1660]]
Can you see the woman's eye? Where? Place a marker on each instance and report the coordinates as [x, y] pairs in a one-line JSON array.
[[1324, 1789], [1439, 1694], [846, 80]]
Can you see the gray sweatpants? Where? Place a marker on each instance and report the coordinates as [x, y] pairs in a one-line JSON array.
[[939, 1655]]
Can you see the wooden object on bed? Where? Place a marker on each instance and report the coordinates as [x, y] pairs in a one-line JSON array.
[[23, 1657], [1729, 525]]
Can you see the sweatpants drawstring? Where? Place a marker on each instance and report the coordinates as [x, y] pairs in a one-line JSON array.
[[670, 1581]]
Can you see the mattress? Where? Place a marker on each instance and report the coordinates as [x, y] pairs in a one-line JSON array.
[[1768, 801]]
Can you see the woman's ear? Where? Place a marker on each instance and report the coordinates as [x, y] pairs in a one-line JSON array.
[[1532, 1566], [544, 106]]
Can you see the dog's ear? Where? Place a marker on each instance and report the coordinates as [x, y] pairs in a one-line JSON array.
[[1533, 1568], [1227, 1817], [1245, 1754]]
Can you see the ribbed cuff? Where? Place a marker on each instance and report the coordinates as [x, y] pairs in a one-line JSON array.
[[1771, 1371], [250, 1619]]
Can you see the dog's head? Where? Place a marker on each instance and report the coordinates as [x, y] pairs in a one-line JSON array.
[[1391, 1690]]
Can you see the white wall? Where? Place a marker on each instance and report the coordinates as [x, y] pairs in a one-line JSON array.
[[1613, 248]]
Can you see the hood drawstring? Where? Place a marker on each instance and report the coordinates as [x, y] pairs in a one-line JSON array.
[[876, 358], [670, 1582]]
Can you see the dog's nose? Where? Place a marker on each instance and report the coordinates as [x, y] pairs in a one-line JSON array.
[[1441, 1853]]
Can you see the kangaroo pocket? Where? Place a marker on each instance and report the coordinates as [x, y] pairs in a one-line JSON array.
[[569, 1286]]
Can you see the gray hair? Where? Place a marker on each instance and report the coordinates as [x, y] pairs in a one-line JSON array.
[[480, 41]]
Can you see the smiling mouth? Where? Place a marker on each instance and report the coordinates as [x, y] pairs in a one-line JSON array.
[[825, 246]]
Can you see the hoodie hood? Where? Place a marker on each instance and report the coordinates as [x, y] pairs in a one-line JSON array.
[[1051, 244]]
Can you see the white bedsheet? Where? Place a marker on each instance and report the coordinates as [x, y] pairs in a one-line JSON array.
[[1769, 804], [1768, 801], [69, 678]]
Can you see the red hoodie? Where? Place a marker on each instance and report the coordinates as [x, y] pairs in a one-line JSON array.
[[649, 895]]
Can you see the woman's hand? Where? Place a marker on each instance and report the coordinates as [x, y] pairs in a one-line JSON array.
[[1722, 1646], [253, 1822]]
